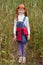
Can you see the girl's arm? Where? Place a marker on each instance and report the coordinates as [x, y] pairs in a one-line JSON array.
[[28, 27], [14, 31], [27, 24]]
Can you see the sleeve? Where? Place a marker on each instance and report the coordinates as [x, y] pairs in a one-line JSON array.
[[15, 22], [27, 24]]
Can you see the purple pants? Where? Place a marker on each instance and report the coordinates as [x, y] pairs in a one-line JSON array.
[[22, 49]]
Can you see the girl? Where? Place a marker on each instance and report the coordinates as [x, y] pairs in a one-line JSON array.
[[21, 31]]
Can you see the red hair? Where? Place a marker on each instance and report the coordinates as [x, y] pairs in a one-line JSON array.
[[23, 7]]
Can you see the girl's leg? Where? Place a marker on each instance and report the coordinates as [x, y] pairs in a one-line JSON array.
[[20, 48], [24, 52], [20, 52], [24, 49]]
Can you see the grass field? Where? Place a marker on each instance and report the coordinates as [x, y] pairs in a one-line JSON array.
[[8, 48]]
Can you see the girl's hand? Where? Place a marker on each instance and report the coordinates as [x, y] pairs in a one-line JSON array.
[[28, 37], [14, 38]]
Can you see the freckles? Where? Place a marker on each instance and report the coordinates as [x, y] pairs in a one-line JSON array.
[[24, 11]]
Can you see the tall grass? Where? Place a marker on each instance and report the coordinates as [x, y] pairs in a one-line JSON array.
[[8, 49]]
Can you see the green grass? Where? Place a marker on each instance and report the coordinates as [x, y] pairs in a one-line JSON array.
[[8, 49]]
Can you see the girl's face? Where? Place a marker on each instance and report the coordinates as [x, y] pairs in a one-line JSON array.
[[21, 11]]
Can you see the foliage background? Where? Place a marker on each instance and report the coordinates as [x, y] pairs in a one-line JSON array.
[[8, 48]]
